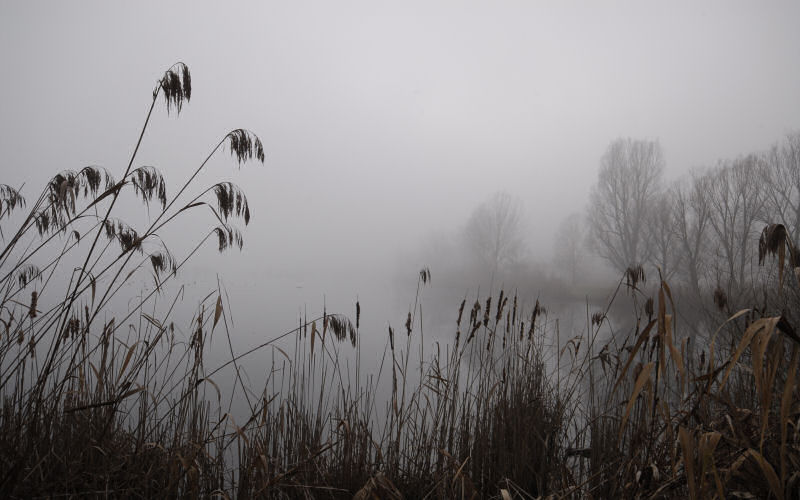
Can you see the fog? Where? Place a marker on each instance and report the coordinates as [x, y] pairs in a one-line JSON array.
[[385, 126]]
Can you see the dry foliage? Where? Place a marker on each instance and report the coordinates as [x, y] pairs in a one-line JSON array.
[[102, 404]]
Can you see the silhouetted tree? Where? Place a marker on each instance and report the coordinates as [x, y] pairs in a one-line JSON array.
[[691, 215], [662, 236], [569, 244], [736, 197], [783, 177], [494, 231], [627, 185]]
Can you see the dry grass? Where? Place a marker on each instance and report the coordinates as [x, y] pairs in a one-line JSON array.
[[505, 409]]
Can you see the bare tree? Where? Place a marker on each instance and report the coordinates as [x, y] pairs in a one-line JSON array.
[[691, 214], [736, 198], [783, 176], [494, 231], [662, 236], [628, 182], [568, 246]]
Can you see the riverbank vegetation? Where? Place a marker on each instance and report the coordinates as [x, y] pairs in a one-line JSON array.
[[100, 402]]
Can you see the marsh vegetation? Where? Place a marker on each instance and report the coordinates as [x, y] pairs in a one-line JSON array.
[[681, 384]]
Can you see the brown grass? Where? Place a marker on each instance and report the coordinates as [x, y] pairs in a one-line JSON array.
[[102, 404]]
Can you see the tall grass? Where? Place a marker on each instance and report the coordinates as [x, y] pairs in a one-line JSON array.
[[98, 402]]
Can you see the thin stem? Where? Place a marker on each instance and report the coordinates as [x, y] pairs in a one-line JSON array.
[[73, 296]]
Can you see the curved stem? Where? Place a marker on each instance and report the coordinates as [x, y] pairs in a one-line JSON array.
[[73, 296], [185, 185]]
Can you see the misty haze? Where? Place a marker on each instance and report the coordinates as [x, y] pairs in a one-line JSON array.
[[421, 250]]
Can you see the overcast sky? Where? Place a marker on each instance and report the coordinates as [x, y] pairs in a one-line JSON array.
[[384, 122]]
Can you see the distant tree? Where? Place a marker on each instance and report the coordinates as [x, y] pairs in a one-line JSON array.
[[737, 199], [569, 244], [494, 231], [628, 183], [662, 236], [783, 178], [692, 212]]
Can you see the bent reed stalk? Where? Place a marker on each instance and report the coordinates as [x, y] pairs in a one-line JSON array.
[[129, 407]]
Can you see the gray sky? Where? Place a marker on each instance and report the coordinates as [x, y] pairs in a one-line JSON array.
[[385, 121]]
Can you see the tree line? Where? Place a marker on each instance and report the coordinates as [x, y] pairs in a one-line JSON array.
[[701, 231]]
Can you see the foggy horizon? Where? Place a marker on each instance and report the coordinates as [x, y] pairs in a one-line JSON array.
[[494, 205], [384, 128], [374, 112]]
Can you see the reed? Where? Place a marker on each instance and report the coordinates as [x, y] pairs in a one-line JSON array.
[[98, 403]]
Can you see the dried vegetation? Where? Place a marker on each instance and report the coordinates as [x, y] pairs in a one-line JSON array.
[[98, 404]]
